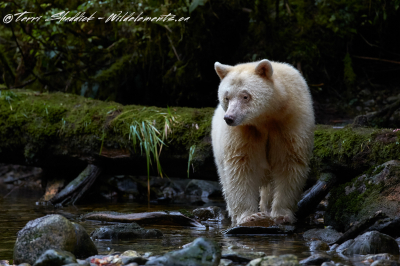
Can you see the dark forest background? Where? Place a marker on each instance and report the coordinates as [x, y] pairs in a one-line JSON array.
[[344, 48]]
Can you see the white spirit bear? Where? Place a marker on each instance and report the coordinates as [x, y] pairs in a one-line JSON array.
[[262, 137]]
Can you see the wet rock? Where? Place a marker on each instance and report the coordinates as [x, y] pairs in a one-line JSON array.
[[202, 252], [225, 262], [317, 245], [55, 258], [50, 232], [138, 260], [372, 243], [124, 232], [326, 235], [343, 247], [283, 260], [203, 188], [392, 99], [365, 92], [84, 245], [387, 226], [235, 258], [130, 253], [125, 184], [366, 194], [382, 256], [211, 214], [369, 102], [252, 230], [385, 263], [316, 259], [328, 263]]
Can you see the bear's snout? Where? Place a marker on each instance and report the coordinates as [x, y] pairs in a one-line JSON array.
[[229, 119]]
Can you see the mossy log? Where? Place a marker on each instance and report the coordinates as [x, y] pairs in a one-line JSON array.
[[65, 132]]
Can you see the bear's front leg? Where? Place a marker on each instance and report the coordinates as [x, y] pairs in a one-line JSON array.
[[288, 186], [241, 191]]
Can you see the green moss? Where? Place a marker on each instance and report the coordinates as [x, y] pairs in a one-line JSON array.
[[342, 207], [357, 148], [38, 120], [186, 213]]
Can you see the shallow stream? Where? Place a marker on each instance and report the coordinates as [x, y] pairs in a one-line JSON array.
[[20, 207]]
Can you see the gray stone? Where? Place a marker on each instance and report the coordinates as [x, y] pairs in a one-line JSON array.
[[369, 102], [344, 246], [385, 263], [365, 92], [235, 257], [326, 235], [83, 262], [382, 256], [211, 214], [283, 260], [328, 263], [387, 226], [317, 245], [201, 252], [138, 260], [48, 232], [316, 259], [225, 262], [203, 188], [55, 258], [392, 99], [84, 246], [252, 230], [124, 232], [373, 243]]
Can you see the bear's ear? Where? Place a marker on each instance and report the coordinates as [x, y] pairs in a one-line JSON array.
[[264, 68], [222, 70]]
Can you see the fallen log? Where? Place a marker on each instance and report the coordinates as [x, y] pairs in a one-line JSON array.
[[317, 193], [64, 133], [158, 218], [74, 191]]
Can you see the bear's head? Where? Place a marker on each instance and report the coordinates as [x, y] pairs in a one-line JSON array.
[[246, 91]]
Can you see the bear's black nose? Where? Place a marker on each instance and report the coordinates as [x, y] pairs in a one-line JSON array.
[[228, 120]]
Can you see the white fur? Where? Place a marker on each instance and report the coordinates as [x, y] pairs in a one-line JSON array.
[[266, 150]]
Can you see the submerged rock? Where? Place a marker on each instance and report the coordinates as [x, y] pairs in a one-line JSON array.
[[372, 243], [317, 245], [124, 232], [201, 252], [283, 260], [211, 214], [385, 263], [253, 230], [316, 259], [51, 232], [55, 258], [326, 235]]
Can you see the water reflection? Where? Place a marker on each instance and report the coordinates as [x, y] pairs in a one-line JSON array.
[[19, 208]]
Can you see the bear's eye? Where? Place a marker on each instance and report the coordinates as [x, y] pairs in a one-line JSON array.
[[226, 99], [245, 97]]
